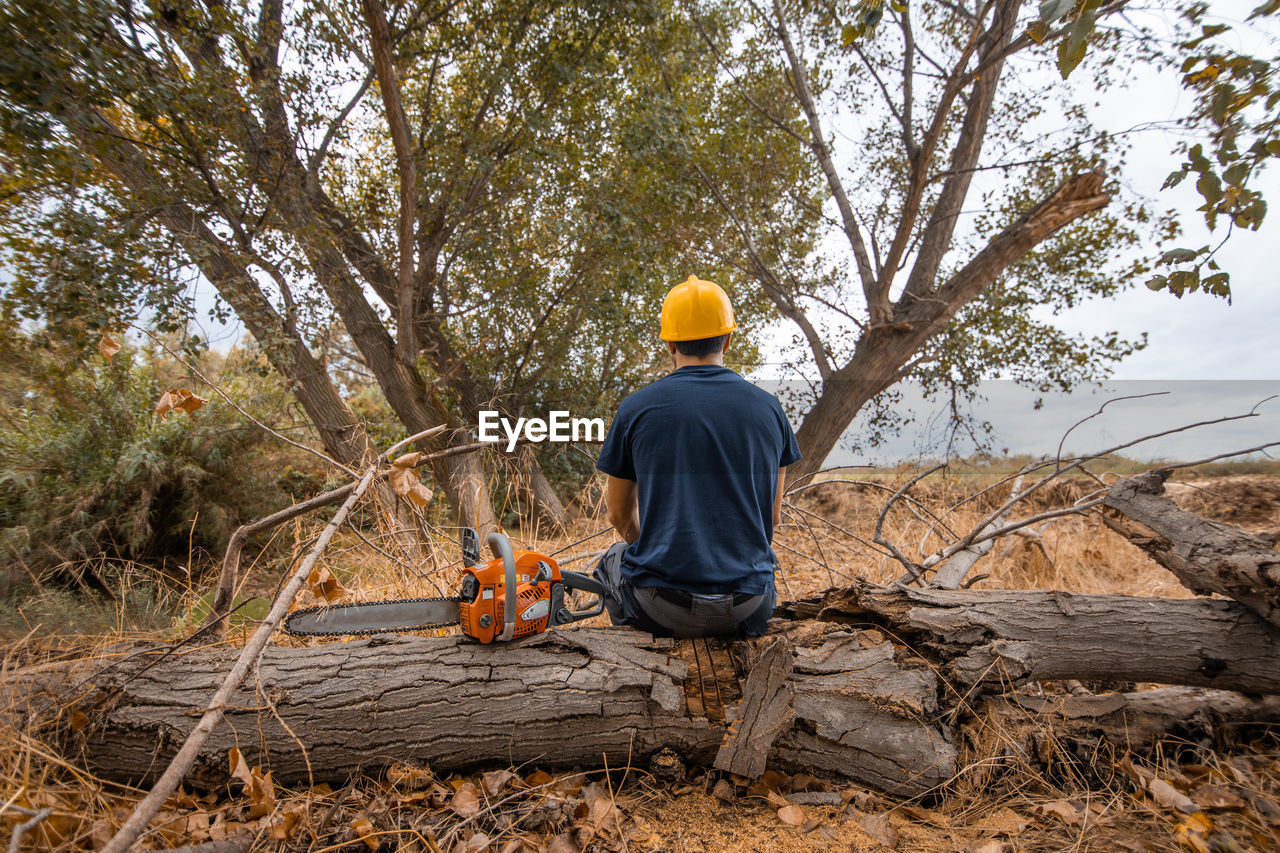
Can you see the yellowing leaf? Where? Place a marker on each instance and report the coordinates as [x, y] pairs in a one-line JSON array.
[[791, 815], [178, 400], [466, 800], [108, 346], [1066, 810], [79, 720], [364, 831], [258, 786], [324, 585], [404, 482], [407, 460]]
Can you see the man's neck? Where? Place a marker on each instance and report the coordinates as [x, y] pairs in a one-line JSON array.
[[681, 360]]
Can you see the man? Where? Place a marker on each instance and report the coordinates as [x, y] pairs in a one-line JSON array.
[[696, 464]]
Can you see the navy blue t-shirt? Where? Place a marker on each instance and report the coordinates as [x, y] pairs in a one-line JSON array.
[[704, 447]]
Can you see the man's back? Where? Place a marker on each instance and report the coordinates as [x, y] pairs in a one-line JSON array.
[[704, 447]]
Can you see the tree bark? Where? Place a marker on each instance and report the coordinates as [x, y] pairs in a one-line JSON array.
[[991, 638], [542, 505], [861, 707], [1208, 557], [822, 691]]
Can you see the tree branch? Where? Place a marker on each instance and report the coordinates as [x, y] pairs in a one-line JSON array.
[[877, 296], [389, 85]]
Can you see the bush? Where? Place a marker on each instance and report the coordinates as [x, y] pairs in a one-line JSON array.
[[87, 471]]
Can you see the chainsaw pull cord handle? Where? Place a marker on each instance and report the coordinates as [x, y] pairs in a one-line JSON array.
[[500, 545]]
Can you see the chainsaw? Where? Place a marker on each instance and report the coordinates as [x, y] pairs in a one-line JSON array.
[[516, 594]]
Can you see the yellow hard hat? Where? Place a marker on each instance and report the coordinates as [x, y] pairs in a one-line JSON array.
[[696, 309]]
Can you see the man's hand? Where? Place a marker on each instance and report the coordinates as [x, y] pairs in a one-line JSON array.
[[622, 509]]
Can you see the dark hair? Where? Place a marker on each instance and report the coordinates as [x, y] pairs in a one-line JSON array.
[[702, 347]]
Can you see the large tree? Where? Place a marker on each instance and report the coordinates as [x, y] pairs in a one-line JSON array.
[[958, 193], [437, 177]]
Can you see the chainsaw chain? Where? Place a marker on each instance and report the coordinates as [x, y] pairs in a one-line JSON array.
[[400, 629]]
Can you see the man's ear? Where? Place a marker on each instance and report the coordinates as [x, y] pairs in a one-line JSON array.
[[671, 347], [727, 338]]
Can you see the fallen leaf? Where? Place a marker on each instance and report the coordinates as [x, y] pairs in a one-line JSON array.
[[562, 843], [476, 843], [282, 828], [791, 815], [258, 786], [772, 780], [986, 845], [804, 782], [879, 828], [108, 346], [926, 816], [518, 845], [79, 720], [776, 800], [178, 400], [538, 777], [1170, 797], [495, 780], [404, 480], [723, 791], [1065, 810], [324, 585], [408, 777], [364, 831], [466, 800], [1190, 834], [1217, 797]]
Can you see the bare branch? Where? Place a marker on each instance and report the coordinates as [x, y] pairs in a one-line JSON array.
[[877, 296], [389, 85]]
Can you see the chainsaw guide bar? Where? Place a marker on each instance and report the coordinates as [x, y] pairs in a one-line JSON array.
[[373, 617]]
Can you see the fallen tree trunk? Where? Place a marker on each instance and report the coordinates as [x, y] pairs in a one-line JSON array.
[[1208, 557], [590, 696], [850, 684], [995, 637]]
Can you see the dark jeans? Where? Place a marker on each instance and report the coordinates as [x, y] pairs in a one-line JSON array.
[[674, 613]]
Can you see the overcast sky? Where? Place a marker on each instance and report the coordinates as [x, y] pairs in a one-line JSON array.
[[1198, 337]]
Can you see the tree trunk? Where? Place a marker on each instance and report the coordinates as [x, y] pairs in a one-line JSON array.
[[1208, 557], [861, 707], [816, 693], [994, 637], [883, 353], [541, 504]]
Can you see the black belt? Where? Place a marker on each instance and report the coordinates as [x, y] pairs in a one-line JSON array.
[[680, 598]]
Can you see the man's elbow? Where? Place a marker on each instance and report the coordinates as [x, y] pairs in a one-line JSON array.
[[618, 519]]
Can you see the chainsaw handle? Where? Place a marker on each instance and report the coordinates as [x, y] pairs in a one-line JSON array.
[[500, 545], [573, 580]]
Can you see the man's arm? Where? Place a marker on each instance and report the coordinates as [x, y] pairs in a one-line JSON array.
[[777, 500], [623, 510]]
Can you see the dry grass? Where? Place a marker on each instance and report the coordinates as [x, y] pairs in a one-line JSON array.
[[1002, 797]]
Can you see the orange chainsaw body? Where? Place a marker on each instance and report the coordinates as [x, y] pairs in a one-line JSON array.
[[482, 611]]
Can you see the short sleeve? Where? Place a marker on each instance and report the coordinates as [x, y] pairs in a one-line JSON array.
[[790, 449], [615, 456]]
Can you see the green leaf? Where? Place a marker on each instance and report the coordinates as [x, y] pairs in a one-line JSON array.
[[1157, 282], [1179, 256], [1052, 10], [1209, 187], [1237, 174], [1174, 179]]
